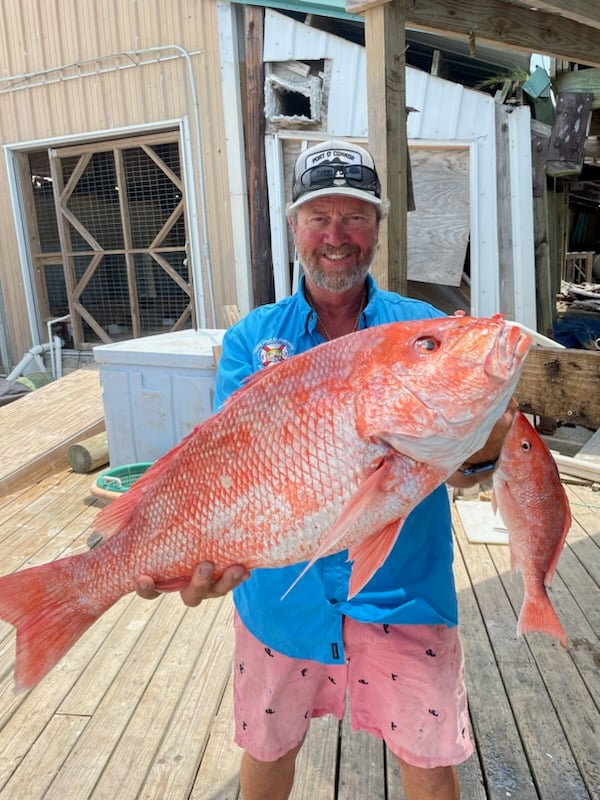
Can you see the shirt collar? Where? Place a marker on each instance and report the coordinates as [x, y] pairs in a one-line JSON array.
[[308, 311]]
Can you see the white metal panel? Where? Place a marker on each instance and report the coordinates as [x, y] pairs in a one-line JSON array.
[[439, 112], [485, 265], [279, 242], [416, 91], [287, 40], [519, 138]]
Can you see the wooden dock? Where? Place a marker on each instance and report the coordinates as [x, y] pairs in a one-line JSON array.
[[140, 708]]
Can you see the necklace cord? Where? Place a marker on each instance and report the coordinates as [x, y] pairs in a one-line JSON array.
[[320, 322]]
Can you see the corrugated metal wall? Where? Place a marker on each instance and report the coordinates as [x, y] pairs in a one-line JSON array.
[[69, 72]]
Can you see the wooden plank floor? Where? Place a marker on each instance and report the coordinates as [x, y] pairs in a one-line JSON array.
[[141, 706]]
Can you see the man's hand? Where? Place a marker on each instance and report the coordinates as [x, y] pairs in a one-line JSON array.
[[201, 585]]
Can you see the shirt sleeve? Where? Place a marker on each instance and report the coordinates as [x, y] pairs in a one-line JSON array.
[[235, 364]]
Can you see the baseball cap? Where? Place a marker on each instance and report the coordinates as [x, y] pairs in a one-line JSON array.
[[335, 167]]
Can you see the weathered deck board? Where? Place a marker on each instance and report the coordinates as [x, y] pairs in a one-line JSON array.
[[554, 710], [499, 750], [38, 429], [141, 706]]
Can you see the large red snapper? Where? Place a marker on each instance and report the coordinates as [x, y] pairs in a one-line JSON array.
[[535, 509], [326, 451]]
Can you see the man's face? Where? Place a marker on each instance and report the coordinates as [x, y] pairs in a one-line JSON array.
[[336, 239]]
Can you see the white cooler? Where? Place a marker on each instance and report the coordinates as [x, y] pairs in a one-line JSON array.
[[155, 390]]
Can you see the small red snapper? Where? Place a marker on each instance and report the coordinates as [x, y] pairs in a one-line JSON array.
[[326, 451], [534, 506]]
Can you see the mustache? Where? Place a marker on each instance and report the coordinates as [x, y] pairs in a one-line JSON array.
[[345, 250]]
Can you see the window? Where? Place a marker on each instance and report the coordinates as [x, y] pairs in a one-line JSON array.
[[107, 236]]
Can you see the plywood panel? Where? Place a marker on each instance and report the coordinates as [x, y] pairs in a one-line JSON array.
[[38, 429], [438, 229]]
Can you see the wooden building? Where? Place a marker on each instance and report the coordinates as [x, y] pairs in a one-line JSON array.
[[138, 158], [115, 179]]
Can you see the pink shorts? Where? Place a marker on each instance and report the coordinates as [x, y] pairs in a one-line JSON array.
[[405, 684]]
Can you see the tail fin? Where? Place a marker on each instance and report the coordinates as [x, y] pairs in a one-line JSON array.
[[44, 605], [538, 615]]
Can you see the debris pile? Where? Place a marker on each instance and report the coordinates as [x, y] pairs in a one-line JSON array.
[[580, 296]]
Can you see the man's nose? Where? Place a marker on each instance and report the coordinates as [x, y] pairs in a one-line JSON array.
[[336, 232]]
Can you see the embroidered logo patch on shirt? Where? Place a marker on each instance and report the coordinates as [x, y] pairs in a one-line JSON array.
[[271, 351]]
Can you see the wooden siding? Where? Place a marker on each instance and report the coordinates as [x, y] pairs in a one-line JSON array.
[[97, 94]]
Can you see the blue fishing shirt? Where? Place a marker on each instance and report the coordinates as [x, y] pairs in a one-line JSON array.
[[415, 585]]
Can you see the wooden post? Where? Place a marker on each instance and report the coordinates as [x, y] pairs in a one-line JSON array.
[[547, 279], [386, 92], [260, 236], [89, 454]]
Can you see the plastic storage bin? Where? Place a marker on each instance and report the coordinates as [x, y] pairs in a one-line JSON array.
[[155, 390]]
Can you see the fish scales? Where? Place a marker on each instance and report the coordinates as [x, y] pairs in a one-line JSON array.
[[327, 451]]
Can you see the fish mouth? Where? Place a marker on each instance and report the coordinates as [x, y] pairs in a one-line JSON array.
[[508, 355]]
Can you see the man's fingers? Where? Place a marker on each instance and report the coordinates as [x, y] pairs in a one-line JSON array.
[[202, 586], [199, 586], [231, 578], [145, 588]]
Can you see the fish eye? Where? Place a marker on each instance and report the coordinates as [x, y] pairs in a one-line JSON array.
[[427, 344], [525, 445]]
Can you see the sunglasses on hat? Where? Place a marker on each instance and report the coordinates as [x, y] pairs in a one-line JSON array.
[[325, 175]]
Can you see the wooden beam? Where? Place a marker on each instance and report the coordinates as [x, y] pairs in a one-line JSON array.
[[561, 384], [581, 80], [260, 236], [497, 22], [360, 6], [386, 92], [586, 12]]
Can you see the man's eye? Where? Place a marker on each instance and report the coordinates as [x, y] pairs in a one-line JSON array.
[[355, 221]]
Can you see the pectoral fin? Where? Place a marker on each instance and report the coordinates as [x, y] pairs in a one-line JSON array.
[[369, 555], [369, 559]]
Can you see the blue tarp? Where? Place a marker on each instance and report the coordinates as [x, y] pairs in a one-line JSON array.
[[577, 332]]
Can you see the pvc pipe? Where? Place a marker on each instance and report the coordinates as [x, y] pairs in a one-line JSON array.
[[55, 349], [56, 352], [33, 354], [538, 338]]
